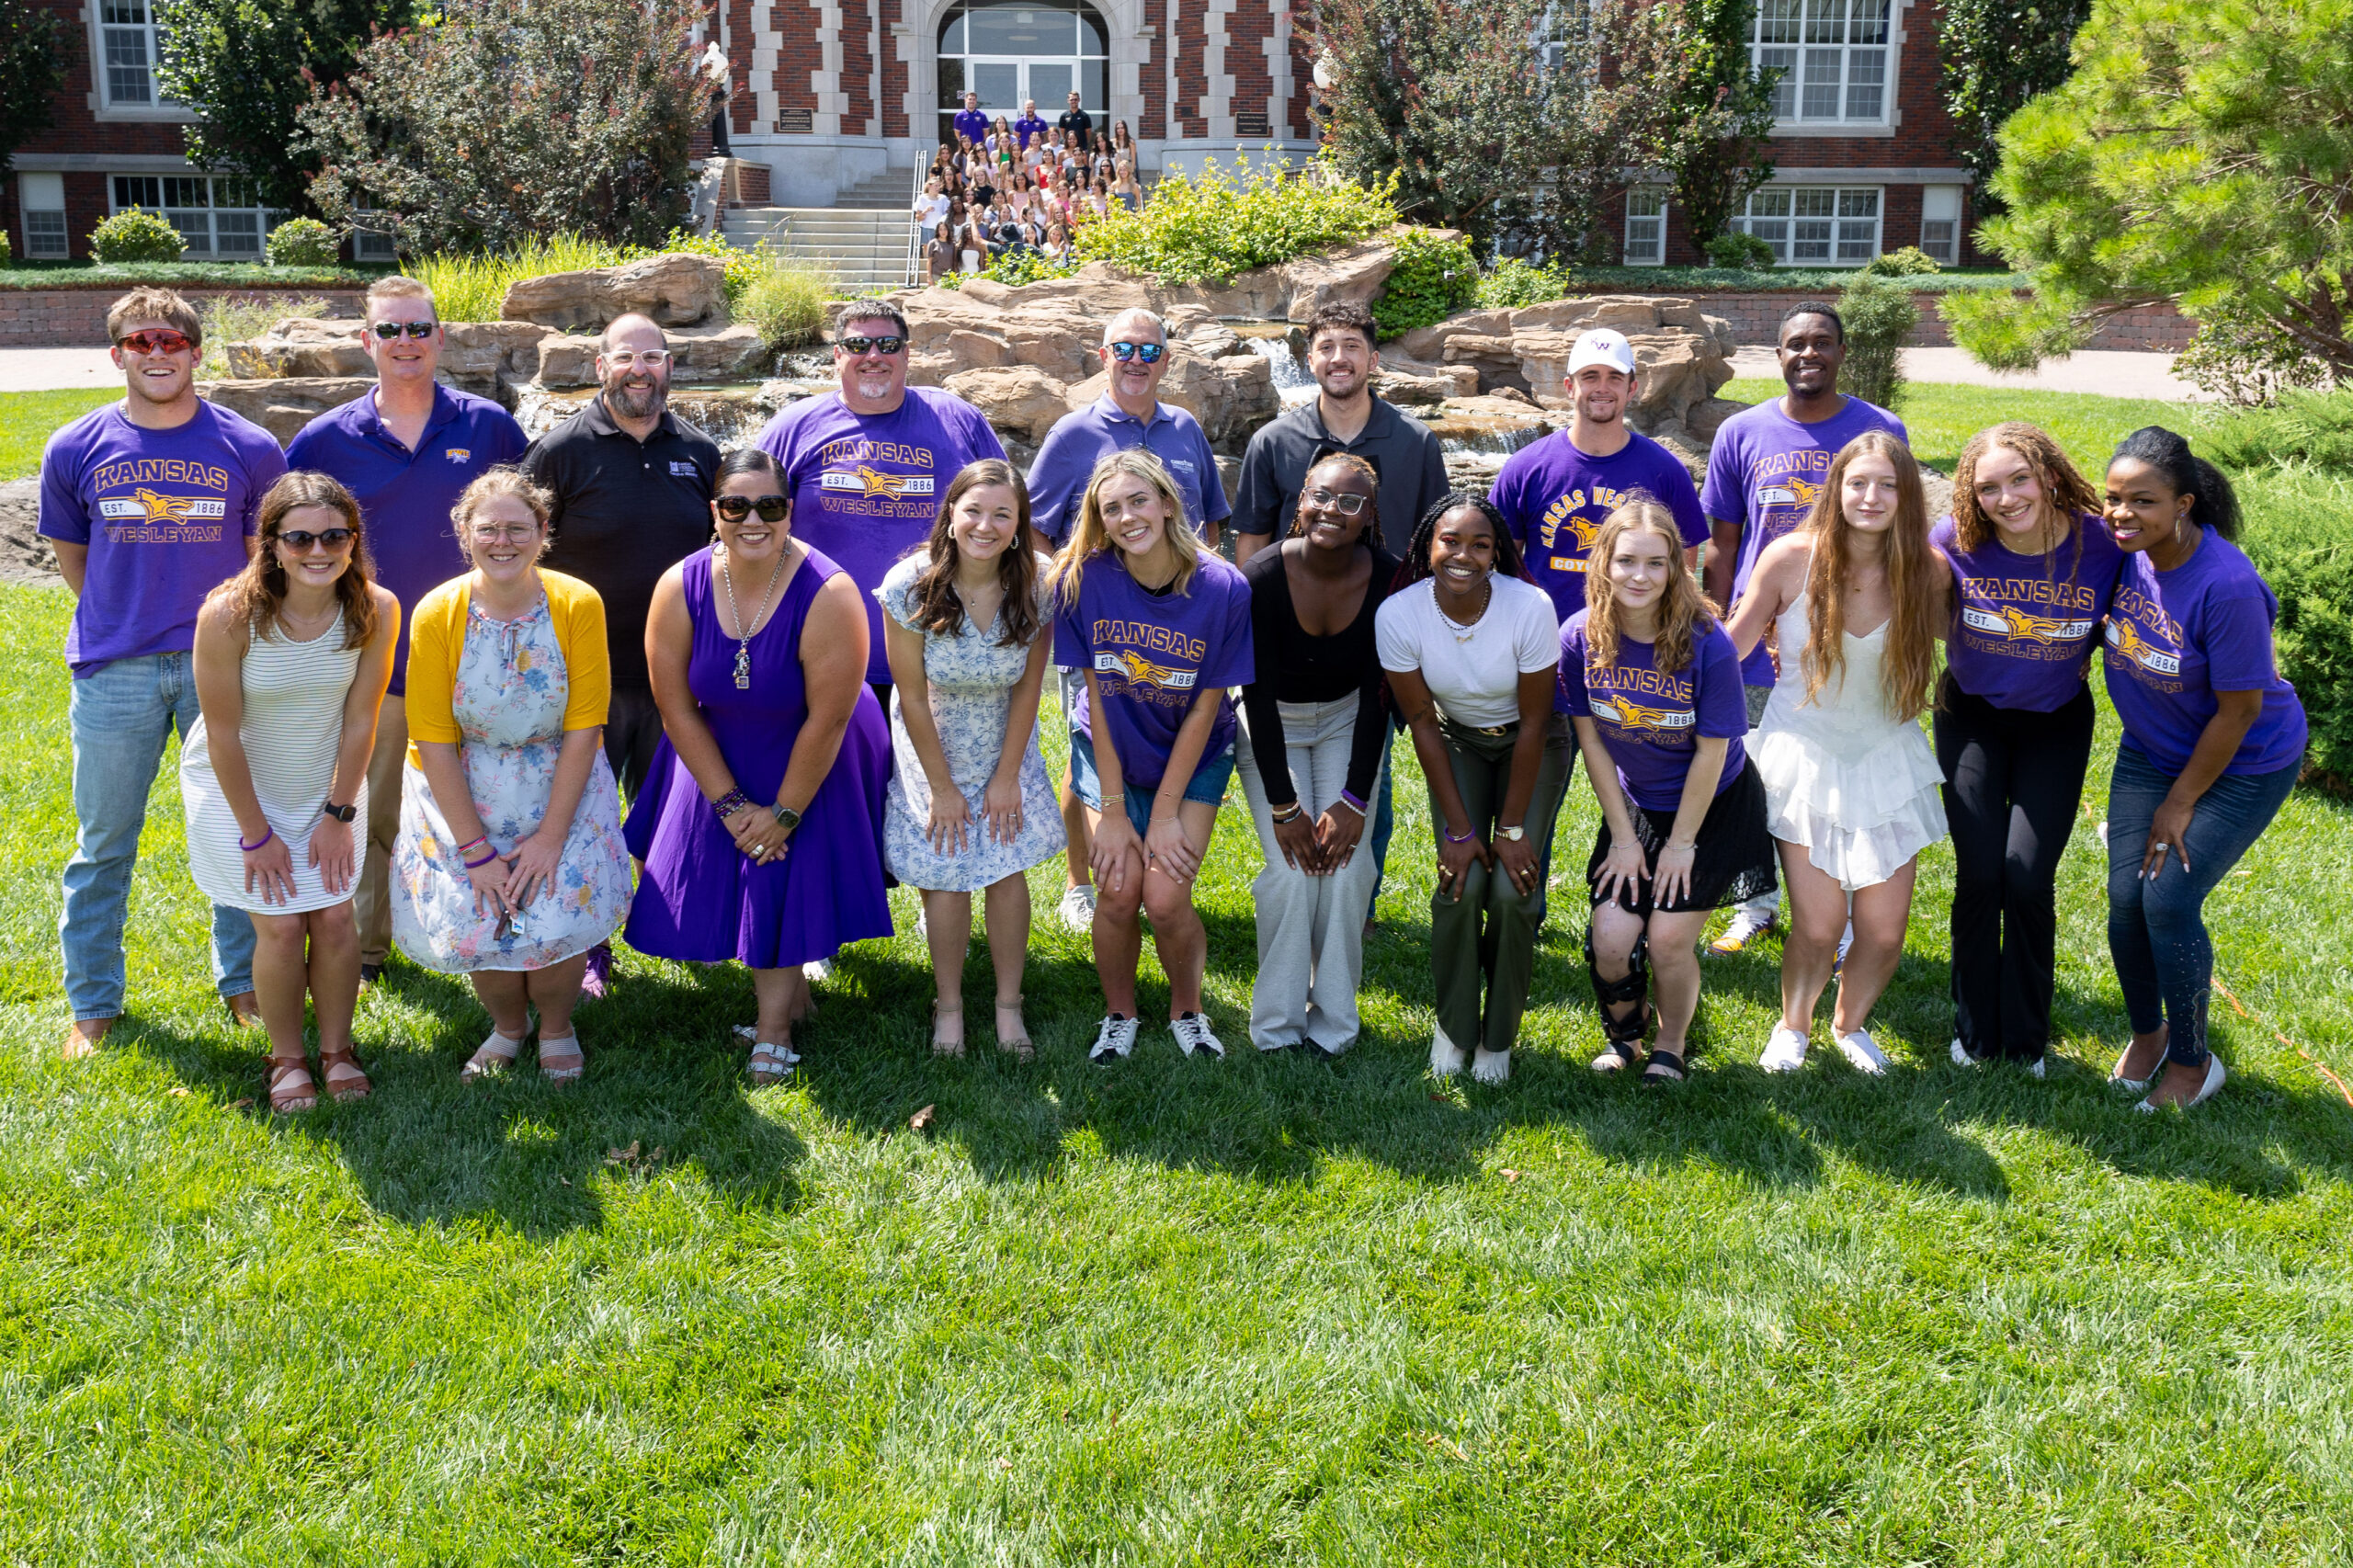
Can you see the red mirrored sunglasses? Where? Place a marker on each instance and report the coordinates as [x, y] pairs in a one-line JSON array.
[[155, 340]]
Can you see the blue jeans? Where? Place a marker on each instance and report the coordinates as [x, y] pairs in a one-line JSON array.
[[1207, 786], [119, 717], [2156, 928], [1384, 821]]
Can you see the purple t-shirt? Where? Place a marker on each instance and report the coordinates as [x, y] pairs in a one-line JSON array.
[[2023, 628], [1153, 655], [972, 122], [865, 487], [405, 497], [1028, 127], [1555, 497], [166, 514], [1764, 472], [2176, 638], [1651, 721]]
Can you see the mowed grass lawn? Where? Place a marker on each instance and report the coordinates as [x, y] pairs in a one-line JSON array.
[[1258, 1310]]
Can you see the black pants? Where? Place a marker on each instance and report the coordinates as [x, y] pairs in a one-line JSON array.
[[633, 729], [2013, 782]]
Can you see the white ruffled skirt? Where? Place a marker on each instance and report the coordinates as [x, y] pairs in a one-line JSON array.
[[1862, 814]]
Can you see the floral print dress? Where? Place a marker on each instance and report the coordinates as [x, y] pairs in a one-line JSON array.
[[509, 702]]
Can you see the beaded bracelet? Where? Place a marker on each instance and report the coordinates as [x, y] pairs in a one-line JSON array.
[[1349, 798], [268, 832], [727, 805]]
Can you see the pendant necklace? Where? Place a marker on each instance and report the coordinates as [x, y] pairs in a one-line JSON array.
[[743, 643], [1464, 633]]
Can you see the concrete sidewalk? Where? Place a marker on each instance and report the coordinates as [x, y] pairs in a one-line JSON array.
[[46, 369], [2109, 372]]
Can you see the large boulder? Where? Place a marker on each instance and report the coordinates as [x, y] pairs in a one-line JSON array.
[[676, 289], [1231, 397], [1352, 274], [713, 353], [301, 345], [1020, 399], [283, 404], [25, 556], [491, 358]]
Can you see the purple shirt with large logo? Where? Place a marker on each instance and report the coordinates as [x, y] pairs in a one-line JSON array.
[[2174, 639], [865, 487], [1764, 472], [1555, 496], [1650, 721], [164, 514], [1153, 655], [2024, 627]]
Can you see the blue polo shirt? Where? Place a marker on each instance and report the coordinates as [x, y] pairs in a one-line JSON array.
[[1028, 127], [973, 123], [1078, 441], [405, 496]]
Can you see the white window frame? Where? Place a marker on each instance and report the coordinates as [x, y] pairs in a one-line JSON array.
[[1816, 225], [1827, 51], [1645, 226], [105, 31], [196, 205], [34, 191], [1940, 230]]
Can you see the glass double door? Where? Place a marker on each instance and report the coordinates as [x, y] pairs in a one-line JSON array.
[[1006, 84]]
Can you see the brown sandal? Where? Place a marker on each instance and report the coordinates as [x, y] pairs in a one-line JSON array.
[[346, 1081], [291, 1088]]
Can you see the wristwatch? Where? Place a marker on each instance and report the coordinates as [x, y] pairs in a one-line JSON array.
[[340, 814], [787, 818], [1514, 833]]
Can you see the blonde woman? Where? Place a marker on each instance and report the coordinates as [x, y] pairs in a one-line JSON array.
[[292, 656], [1652, 689], [509, 866], [1161, 626], [1851, 785]]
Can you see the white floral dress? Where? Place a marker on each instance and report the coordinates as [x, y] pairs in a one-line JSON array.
[[509, 702], [972, 678]]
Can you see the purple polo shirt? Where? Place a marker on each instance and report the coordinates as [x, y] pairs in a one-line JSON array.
[[1067, 457], [973, 123], [405, 497], [1028, 127]]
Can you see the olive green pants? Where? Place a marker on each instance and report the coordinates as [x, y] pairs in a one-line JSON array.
[[1483, 941]]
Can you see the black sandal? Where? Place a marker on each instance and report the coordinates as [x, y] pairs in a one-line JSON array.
[[1617, 1055], [1665, 1067]]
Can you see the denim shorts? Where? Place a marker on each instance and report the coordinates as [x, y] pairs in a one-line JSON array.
[[1208, 787]]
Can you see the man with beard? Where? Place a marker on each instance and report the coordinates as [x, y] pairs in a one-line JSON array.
[[1764, 472], [1128, 414], [406, 451], [632, 485], [149, 504], [867, 463], [1076, 125]]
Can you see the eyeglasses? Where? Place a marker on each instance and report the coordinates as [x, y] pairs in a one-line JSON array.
[[630, 359], [499, 533], [1340, 501], [388, 330], [1149, 353], [156, 340], [299, 541], [771, 509], [891, 345]]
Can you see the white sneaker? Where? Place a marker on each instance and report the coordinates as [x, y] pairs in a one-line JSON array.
[[817, 972], [1193, 1032], [1446, 1057], [2034, 1068], [1491, 1067], [1864, 1053], [1115, 1038], [1747, 926], [1961, 1057], [1785, 1053], [923, 928], [1077, 908]]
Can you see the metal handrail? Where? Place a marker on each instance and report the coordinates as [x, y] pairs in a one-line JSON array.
[[915, 240]]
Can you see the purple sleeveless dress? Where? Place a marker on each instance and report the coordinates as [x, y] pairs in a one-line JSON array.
[[699, 898]]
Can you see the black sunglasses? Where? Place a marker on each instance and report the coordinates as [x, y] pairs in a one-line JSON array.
[[1149, 353], [771, 509], [388, 330], [300, 540], [872, 345]]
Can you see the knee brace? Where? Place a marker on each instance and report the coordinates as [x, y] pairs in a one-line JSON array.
[[1610, 994]]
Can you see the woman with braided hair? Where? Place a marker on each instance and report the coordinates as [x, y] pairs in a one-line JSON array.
[[1471, 646]]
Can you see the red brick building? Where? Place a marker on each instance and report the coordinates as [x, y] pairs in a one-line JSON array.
[[829, 94]]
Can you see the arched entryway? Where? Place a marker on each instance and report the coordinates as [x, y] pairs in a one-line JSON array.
[[1013, 51]]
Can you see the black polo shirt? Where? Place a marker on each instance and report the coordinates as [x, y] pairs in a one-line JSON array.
[[625, 511], [1400, 448], [1078, 123]]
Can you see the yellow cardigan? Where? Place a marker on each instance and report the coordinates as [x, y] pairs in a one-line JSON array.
[[437, 636]]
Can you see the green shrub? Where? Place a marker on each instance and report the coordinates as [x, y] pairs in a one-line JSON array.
[[1013, 269], [1512, 283], [304, 242], [2296, 535], [2242, 355], [7, 259], [1431, 280], [1214, 224], [470, 287], [788, 305], [1910, 261], [1739, 252], [1879, 317], [135, 234], [743, 266], [232, 318], [2304, 426]]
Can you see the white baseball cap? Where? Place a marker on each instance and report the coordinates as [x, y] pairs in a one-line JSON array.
[[1602, 347]]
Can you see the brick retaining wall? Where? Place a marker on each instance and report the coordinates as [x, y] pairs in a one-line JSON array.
[[1756, 317], [76, 318]]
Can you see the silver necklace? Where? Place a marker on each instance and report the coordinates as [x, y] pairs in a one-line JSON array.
[[743, 642], [1463, 634]]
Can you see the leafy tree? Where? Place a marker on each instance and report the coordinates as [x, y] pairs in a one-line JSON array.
[[1727, 110], [32, 68], [249, 67], [1517, 119], [2202, 154], [502, 121], [1996, 54]]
